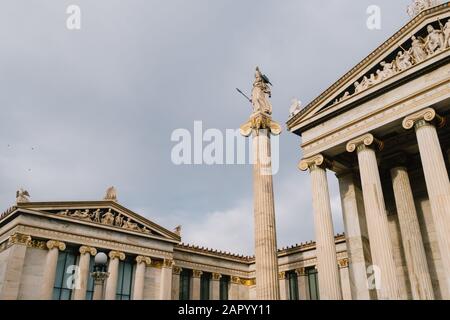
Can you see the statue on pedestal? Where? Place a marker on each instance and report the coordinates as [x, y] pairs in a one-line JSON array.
[[261, 93]]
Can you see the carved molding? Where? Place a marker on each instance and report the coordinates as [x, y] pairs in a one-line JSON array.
[[51, 244], [89, 250], [216, 276], [248, 282], [38, 244], [428, 115], [176, 270], [366, 140], [282, 275], [197, 273], [235, 280], [389, 112], [343, 263], [300, 272], [144, 259], [315, 161], [116, 255], [19, 238], [167, 263], [84, 240]]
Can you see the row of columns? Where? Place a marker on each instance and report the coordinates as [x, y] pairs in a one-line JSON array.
[[303, 282], [110, 288], [381, 250], [233, 289]]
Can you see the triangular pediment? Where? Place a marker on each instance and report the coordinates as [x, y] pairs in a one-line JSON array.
[[107, 214], [410, 50]]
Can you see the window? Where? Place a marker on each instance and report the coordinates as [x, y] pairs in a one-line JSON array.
[[90, 282], [313, 283], [124, 280], [185, 284], [205, 281], [65, 275], [224, 284], [293, 285]]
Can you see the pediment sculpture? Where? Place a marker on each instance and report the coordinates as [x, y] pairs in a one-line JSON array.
[[106, 217], [421, 49]]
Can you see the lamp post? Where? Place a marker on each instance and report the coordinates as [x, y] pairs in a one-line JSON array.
[[99, 274]]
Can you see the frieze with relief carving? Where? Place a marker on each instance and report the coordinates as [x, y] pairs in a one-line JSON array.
[[106, 217]]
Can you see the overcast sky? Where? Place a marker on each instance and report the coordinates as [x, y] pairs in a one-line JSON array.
[[85, 109]]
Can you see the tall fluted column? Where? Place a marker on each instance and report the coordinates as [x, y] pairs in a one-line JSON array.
[[261, 127], [166, 280], [83, 272], [176, 271], [215, 286], [51, 262], [437, 181], [113, 269], [139, 279], [416, 259], [328, 272], [376, 215], [356, 236], [196, 278]]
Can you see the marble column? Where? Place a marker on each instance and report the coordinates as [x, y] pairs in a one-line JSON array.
[[13, 266], [215, 286], [142, 263], [284, 286], [233, 293], [166, 280], [356, 236], [261, 127], [113, 269], [83, 272], [195, 288], [416, 259], [303, 289], [437, 181], [176, 271], [329, 282], [51, 263], [345, 279], [381, 248]]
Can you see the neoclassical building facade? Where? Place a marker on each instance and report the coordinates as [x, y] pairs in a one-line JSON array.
[[382, 129], [47, 251]]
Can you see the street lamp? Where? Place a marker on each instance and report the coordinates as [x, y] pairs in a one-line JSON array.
[[99, 274]]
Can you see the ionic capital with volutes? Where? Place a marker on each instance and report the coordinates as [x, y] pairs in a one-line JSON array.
[[90, 250], [364, 141], [61, 246], [422, 118], [317, 161], [116, 255], [144, 259]]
